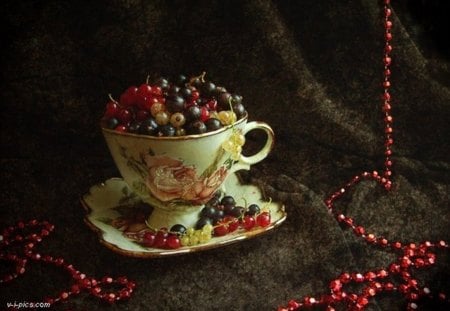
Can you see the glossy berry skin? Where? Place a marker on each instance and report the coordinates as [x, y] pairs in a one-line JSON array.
[[208, 88], [149, 239], [121, 128], [239, 110], [204, 114], [112, 123], [173, 241], [175, 103], [167, 130], [233, 223], [252, 209], [203, 222], [162, 83], [178, 229], [228, 209], [144, 90], [263, 219], [161, 239], [238, 211], [221, 229], [149, 127], [134, 127], [197, 127], [124, 116], [248, 222], [223, 101], [228, 200], [213, 124], [128, 98], [208, 211], [141, 115], [112, 108], [193, 113]]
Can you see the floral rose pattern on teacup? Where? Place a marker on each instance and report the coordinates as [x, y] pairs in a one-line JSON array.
[[168, 179]]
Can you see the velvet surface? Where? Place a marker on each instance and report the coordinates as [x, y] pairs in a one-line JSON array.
[[311, 69]]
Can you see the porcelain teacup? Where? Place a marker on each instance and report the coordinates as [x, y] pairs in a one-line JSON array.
[[177, 175]]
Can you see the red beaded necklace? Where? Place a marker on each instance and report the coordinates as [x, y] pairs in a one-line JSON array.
[[18, 247], [411, 256]]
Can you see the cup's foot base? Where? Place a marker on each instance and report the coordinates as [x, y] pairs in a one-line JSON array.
[[162, 218]]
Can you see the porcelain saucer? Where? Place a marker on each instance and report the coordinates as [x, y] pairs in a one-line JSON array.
[[107, 203]]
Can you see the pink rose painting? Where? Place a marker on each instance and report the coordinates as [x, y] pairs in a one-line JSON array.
[[168, 179]]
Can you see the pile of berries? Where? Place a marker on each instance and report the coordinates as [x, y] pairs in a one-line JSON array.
[[218, 217], [184, 106]]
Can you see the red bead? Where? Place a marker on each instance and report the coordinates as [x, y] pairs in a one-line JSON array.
[[388, 36], [75, 289], [359, 230], [370, 238], [96, 290], [387, 12], [335, 285], [389, 286], [358, 277], [64, 295], [388, 24], [405, 262], [293, 304], [394, 268], [370, 276], [382, 273], [387, 60], [345, 277]]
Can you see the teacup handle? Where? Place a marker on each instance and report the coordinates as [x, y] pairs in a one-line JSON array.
[[245, 162]]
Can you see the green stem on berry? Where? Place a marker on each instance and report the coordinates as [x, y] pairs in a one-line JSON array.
[[112, 99], [201, 77], [148, 79]]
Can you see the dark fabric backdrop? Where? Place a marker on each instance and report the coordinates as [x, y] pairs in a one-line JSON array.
[[311, 69]]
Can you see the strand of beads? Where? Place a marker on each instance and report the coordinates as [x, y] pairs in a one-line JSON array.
[[19, 248], [411, 256]]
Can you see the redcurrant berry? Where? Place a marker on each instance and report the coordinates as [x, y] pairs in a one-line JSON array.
[[248, 222], [173, 241], [263, 219]]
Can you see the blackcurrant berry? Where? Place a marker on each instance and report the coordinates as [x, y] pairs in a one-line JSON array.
[[213, 124], [213, 202], [181, 80], [239, 110], [185, 92], [236, 99], [252, 209], [203, 222], [208, 88], [148, 127], [173, 90], [228, 200], [178, 229], [228, 209], [134, 127], [238, 211], [175, 103], [223, 101], [163, 83], [197, 127], [167, 130], [218, 215], [193, 113], [112, 123], [208, 212], [220, 89]]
